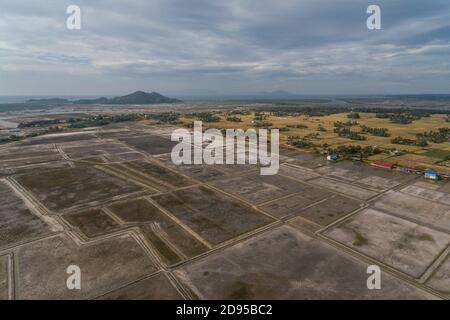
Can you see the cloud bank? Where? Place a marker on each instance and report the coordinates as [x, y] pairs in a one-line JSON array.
[[224, 47]]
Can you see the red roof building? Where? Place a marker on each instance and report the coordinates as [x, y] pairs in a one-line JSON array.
[[382, 164]]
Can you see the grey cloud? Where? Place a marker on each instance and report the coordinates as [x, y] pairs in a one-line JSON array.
[[305, 46]]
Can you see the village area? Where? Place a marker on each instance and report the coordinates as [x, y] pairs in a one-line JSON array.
[[95, 187]]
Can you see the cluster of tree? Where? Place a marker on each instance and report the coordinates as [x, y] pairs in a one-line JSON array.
[[347, 133], [439, 136], [297, 126], [292, 109], [343, 130], [85, 123], [321, 128], [260, 116], [234, 119], [126, 117], [238, 112], [409, 142], [51, 129], [403, 118], [380, 132], [39, 123], [206, 116], [313, 135], [12, 138], [278, 110], [340, 124], [165, 117], [103, 120], [284, 114], [349, 151], [383, 112], [261, 124], [353, 115], [300, 142]]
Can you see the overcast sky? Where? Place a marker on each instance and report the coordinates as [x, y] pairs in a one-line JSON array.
[[224, 47]]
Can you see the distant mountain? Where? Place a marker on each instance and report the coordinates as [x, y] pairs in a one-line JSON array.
[[101, 100], [138, 97]]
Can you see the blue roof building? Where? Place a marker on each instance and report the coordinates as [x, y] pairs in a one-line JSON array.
[[431, 174], [332, 156]]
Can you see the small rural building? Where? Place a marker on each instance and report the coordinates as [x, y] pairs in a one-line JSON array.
[[382, 164], [394, 152], [332, 156], [405, 169], [431, 174]]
